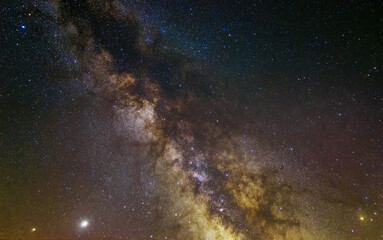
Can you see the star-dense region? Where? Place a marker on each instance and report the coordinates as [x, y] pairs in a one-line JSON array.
[[191, 119]]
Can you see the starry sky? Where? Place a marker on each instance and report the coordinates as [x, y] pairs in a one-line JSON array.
[[228, 120]]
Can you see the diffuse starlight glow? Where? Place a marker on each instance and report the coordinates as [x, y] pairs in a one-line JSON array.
[[197, 185]]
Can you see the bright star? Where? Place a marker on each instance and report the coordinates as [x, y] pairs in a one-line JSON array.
[[84, 224]]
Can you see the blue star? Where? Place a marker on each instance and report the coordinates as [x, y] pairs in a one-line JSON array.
[[23, 26]]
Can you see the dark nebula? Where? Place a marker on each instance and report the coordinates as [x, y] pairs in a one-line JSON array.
[[191, 119]]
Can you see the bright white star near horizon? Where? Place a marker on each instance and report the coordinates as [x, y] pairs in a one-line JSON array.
[[84, 223]]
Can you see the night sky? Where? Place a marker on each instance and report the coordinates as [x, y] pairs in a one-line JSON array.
[[191, 119]]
